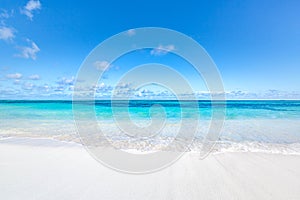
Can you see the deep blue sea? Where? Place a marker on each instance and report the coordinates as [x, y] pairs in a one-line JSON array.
[[259, 123]]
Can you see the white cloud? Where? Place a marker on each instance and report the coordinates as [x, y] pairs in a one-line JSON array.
[[124, 85], [45, 88], [14, 76], [101, 85], [102, 89], [28, 86], [102, 65], [66, 81], [34, 77], [65, 84], [131, 32], [31, 6], [59, 89], [8, 92], [4, 14], [162, 50], [29, 51], [6, 33], [145, 93], [17, 81]]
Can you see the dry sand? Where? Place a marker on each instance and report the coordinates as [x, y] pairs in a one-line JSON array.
[[41, 169]]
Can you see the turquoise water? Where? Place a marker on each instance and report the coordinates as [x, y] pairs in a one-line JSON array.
[[268, 122], [56, 110]]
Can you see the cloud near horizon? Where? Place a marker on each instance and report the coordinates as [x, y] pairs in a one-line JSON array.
[[34, 77], [14, 76], [63, 89]]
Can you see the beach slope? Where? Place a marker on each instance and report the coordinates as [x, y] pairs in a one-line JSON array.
[[47, 169]]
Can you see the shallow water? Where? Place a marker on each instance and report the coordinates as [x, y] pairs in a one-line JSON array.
[[248, 125]]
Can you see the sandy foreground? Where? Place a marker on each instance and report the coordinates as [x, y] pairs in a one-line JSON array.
[[39, 169]]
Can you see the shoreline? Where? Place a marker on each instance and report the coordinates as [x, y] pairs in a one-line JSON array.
[[219, 148]]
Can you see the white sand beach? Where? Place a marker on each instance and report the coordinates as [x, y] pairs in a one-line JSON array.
[[47, 169]]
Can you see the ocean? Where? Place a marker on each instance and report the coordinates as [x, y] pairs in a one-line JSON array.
[[250, 125]]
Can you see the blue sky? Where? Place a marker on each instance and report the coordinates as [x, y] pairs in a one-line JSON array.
[[255, 44]]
